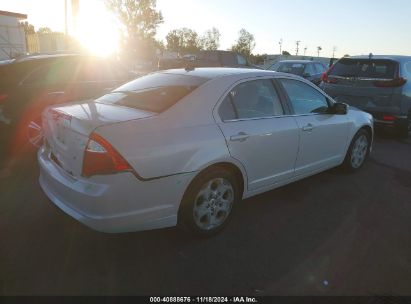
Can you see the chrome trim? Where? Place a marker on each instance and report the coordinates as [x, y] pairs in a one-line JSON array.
[[270, 117]]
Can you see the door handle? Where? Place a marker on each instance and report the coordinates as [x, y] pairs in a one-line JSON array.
[[308, 128], [240, 137]]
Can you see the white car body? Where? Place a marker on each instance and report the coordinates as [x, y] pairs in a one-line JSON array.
[[168, 150]]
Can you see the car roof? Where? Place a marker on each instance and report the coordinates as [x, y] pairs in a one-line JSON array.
[[50, 56], [296, 61], [211, 73], [389, 57]]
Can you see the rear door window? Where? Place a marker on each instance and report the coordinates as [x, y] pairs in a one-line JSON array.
[[365, 68], [251, 99]]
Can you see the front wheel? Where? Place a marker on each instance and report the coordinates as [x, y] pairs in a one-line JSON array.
[[209, 201], [358, 151]]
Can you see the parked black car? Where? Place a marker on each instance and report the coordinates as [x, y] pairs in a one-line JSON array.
[[310, 70], [379, 85], [205, 59], [31, 83]]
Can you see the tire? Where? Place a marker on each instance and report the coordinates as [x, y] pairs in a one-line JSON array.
[[358, 151], [208, 203]]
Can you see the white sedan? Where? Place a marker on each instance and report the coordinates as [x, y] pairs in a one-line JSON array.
[[184, 146]]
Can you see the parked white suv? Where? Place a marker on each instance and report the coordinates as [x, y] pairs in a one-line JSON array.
[[184, 146]]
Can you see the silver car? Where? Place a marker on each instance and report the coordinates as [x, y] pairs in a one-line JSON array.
[[184, 146], [379, 85]]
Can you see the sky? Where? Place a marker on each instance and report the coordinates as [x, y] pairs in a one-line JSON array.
[[352, 26]]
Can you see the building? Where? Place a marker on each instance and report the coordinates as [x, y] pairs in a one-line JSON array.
[[12, 36]]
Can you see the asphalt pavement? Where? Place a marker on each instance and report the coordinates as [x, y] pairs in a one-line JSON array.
[[330, 234]]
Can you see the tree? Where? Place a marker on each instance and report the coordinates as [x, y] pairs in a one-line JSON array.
[[183, 40], [28, 28], [211, 39], [44, 30], [285, 53], [140, 19], [244, 44]]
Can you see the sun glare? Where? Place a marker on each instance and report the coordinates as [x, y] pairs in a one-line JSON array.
[[97, 30]]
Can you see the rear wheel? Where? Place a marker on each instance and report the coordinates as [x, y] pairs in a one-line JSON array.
[[209, 201], [358, 151]]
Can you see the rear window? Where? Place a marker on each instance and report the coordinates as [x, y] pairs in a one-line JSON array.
[[153, 93], [365, 68], [292, 68]]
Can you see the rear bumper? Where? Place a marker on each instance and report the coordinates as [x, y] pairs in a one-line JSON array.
[[116, 203], [398, 121]]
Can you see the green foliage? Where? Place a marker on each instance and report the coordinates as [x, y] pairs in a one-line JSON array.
[[244, 44], [285, 53], [183, 40], [28, 28], [141, 20], [44, 30], [210, 41]]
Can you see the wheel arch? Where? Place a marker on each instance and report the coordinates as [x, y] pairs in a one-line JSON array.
[[236, 170]]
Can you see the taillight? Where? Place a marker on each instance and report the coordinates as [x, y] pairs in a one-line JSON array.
[[100, 157], [326, 79], [394, 83], [3, 97], [389, 118]]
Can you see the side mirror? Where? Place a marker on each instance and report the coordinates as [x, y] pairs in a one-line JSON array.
[[339, 108]]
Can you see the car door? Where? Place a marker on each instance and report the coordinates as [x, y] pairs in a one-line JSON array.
[[258, 133], [323, 136]]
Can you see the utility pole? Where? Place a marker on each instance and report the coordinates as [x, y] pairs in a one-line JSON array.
[[334, 50], [281, 45], [305, 50], [297, 48], [65, 18]]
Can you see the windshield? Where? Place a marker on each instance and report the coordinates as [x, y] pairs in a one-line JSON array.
[[154, 92], [365, 68]]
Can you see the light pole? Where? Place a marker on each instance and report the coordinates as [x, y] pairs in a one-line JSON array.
[[334, 50], [305, 50], [281, 45], [319, 48], [297, 48]]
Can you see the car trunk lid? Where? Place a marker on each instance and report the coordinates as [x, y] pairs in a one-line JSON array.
[[67, 129]]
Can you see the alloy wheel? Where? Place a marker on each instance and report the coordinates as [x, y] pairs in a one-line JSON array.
[[213, 204], [359, 151]]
